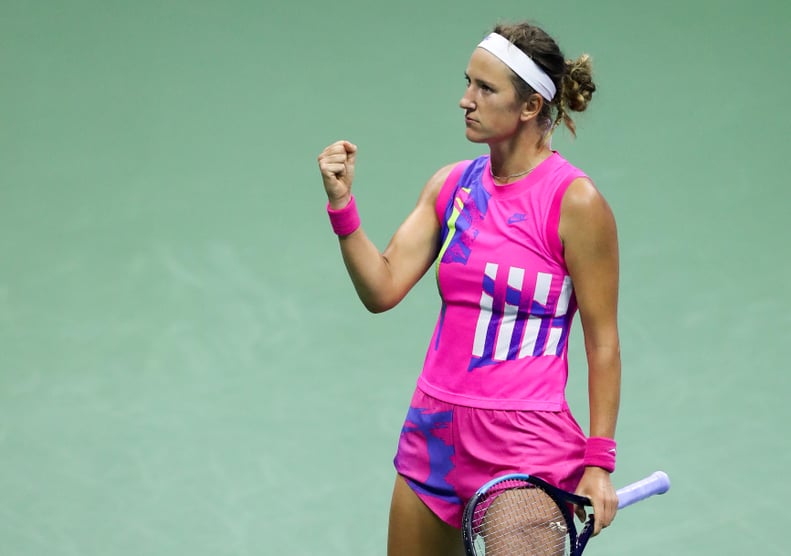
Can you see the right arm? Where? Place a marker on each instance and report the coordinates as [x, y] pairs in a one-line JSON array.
[[382, 279]]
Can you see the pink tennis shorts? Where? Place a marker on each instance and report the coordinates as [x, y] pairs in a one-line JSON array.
[[446, 452]]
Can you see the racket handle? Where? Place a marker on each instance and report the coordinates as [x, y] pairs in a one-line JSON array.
[[656, 483]]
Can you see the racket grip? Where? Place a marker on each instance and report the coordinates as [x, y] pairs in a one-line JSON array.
[[656, 483]]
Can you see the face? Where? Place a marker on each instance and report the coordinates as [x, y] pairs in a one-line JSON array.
[[492, 108]]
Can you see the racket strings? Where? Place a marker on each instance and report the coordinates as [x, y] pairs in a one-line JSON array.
[[519, 520]]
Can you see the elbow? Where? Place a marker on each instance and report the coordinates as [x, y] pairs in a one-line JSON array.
[[376, 306]]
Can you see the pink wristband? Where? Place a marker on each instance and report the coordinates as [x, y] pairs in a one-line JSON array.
[[600, 452], [346, 220]]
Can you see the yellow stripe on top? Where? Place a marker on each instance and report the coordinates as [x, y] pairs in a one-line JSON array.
[[458, 208]]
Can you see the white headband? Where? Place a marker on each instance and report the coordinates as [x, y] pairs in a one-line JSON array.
[[522, 65]]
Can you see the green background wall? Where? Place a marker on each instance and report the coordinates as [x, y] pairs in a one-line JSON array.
[[184, 366]]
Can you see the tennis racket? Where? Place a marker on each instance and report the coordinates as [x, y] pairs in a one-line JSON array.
[[521, 515]]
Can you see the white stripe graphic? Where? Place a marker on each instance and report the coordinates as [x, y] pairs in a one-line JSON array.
[[515, 278], [552, 341], [543, 284], [563, 306], [485, 316], [565, 297], [533, 327]]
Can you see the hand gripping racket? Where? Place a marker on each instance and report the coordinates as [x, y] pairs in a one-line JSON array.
[[521, 515]]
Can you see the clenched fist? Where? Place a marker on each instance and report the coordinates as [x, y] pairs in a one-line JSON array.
[[336, 163]]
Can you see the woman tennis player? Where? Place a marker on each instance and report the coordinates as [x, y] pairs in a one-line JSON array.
[[521, 240]]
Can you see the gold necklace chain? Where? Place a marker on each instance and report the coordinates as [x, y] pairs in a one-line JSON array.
[[512, 176]]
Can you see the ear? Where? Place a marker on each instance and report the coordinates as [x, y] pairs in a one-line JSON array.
[[531, 108]]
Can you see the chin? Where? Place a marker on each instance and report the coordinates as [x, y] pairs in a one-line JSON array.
[[472, 137]]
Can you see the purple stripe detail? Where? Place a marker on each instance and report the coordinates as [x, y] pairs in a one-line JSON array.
[[441, 323], [563, 324], [512, 296], [516, 339], [488, 284], [538, 310], [440, 454]]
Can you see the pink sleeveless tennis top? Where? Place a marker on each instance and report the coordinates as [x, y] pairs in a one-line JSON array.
[[501, 339]]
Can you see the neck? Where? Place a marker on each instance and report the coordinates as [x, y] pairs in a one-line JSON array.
[[509, 163]]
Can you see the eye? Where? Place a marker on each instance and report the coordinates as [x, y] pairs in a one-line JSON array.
[[481, 85]]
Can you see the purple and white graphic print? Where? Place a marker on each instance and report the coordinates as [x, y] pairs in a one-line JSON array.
[[520, 324]]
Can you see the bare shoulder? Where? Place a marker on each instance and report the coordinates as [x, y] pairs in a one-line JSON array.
[[584, 210], [582, 194], [435, 182]]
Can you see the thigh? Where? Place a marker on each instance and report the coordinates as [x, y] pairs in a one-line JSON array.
[[524, 521], [415, 530]]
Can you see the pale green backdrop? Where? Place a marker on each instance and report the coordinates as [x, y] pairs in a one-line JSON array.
[[184, 366]]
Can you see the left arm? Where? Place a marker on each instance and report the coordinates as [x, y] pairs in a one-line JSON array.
[[587, 229]]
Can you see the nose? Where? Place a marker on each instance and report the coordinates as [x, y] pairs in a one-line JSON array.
[[467, 103]]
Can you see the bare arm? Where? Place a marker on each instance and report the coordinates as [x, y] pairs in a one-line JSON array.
[[588, 231], [382, 279]]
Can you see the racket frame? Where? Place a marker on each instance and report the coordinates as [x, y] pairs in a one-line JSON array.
[[562, 499], [656, 483]]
